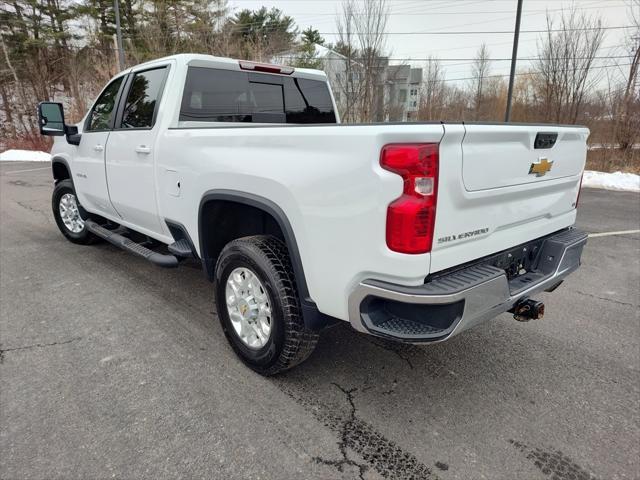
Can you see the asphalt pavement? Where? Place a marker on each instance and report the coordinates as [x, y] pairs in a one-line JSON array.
[[113, 368]]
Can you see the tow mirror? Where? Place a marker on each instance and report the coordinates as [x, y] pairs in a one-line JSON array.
[[51, 122], [51, 119]]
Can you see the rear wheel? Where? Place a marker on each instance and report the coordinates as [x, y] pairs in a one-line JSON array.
[[258, 305], [69, 214]]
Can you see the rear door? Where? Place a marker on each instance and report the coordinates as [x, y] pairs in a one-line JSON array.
[[130, 152]]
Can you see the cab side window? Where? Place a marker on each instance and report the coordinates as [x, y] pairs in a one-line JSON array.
[[143, 98], [104, 107]]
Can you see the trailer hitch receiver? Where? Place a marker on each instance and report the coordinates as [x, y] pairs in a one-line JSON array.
[[528, 309]]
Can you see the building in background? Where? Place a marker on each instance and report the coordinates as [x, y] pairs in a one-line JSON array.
[[396, 87], [402, 93]]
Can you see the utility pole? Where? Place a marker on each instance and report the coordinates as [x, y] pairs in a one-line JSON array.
[[116, 8], [514, 55]]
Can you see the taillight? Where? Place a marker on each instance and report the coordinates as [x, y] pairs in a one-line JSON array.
[[411, 217]]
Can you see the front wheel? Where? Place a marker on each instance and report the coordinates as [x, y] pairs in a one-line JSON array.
[[258, 305], [69, 215]]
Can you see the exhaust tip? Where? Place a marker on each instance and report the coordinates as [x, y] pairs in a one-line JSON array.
[[528, 309]]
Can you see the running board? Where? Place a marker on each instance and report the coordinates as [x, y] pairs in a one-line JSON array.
[[166, 261]]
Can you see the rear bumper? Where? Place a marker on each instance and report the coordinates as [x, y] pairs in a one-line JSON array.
[[454, 302]]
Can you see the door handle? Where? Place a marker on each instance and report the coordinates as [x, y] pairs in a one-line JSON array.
[[143, 149], [99, 148]]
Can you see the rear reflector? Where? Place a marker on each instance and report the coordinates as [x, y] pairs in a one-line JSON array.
[[266, 67], [411, 217]]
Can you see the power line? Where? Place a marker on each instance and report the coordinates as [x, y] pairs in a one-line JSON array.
[[531, 13], [238, 28], [412, 59], [466, 60], [532, 72], [429, 14], [479, 32]]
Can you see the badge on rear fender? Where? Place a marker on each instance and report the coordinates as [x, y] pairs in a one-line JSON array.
[[541, 167]]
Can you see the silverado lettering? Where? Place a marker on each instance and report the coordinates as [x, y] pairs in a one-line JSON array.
[[460, 236]]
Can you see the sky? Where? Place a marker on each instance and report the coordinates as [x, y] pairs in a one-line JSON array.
[[410, 16]]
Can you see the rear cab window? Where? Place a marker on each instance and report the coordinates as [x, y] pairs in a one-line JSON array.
[[217, 95]]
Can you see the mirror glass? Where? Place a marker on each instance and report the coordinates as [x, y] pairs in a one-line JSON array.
[[51, 118]]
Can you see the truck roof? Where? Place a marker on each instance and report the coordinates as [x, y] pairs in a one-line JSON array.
[[210, 61]]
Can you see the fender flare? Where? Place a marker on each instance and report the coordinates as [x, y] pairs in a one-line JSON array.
[[63, 161], [313, 318]]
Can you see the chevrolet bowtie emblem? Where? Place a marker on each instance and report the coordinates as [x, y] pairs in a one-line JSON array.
[[541, 167]]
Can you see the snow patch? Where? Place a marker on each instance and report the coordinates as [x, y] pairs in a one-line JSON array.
[[24, 156], [612, 181]]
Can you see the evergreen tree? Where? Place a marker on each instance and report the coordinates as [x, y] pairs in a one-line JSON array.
[[261, 34], [307, 56]]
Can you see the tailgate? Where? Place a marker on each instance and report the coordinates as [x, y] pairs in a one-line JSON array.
[[495, 156], [498, 189]]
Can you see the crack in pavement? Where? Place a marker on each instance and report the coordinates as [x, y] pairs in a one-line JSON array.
[[342, 442], [379, 453], [35, 345], [605, 299], [397, 349]]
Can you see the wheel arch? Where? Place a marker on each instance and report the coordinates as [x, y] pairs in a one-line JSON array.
[[60, 169], [212, 207]]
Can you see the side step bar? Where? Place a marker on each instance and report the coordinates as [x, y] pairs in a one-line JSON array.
[[166, 261]]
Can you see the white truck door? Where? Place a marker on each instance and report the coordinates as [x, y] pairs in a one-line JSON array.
[[88, 164], [130, 151]]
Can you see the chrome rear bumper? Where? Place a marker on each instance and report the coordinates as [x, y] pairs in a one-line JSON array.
[[454, 302]]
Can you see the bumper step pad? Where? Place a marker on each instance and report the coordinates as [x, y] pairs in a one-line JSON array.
[[449, 284], [403, 327]]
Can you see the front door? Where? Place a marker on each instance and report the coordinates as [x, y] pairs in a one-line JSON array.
[[88, 164], [130, 151]]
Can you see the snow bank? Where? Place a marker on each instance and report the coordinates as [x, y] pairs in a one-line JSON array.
[[611, 181], [24, 156]]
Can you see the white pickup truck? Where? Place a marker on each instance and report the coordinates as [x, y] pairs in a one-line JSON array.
[[412, 232]]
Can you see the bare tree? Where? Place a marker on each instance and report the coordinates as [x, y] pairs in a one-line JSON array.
[[627, 113], [361, 39], [479, 73], [524, 98], [348, 70], [371, 23], [432, 96], [23, 114], [565, 61]]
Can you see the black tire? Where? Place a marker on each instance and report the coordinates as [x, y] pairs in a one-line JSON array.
[[83, 237], [289, 342]]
